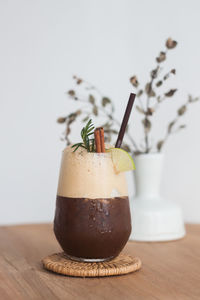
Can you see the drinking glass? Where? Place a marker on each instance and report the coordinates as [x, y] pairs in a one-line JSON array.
[[92, 218]]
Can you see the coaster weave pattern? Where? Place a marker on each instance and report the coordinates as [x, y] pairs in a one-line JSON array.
[[61, 264]]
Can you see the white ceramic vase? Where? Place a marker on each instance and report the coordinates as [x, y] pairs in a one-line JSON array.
[[153, 218]]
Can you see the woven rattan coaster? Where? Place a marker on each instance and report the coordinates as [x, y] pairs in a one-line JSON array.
[[122, 264]]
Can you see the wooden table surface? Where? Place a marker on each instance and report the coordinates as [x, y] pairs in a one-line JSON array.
[[171, 270]]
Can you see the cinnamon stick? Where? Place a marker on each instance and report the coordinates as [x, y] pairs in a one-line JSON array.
[[99, 140], [102, 140]]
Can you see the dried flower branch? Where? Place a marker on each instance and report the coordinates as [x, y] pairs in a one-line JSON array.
[[171, 129], [149, 100]]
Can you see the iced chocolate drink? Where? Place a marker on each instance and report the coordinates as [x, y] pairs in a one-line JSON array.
[[92, 219]]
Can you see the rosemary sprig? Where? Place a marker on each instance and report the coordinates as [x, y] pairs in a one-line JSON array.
[[87, 143]]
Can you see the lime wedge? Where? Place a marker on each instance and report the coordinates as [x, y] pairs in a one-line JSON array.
[[122, 160]]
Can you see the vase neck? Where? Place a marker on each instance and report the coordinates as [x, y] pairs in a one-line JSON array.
[[148, 174]]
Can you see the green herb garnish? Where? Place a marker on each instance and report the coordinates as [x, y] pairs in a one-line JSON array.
[[87, 143]]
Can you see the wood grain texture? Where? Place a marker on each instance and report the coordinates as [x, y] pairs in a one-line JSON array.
[[171, 270]]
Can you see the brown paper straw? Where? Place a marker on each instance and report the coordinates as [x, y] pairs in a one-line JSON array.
[[125, 120]]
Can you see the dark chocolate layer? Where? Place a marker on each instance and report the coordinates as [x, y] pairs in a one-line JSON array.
[[92, 228]]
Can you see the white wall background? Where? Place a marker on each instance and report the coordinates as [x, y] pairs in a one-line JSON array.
[[45, 42]]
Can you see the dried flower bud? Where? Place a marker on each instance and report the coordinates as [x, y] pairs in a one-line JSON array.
[[134, 81], [182, 110], [147, 124], [161, 57], [105, 101], [170, 93], [191, 99], [139, 93], [71, 93], [79, 81], [149, 91], [150, 111], [171, 124], [140, 109], [170, 44], [154, 73], [91, 99], [166, 76], [71, 118], [85, 119], [173, 71], [159, 145], [159, 83], [95, 110], [61, 120], [182, 126]]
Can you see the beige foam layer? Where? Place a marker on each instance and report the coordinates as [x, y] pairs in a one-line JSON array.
[[89, 175]]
